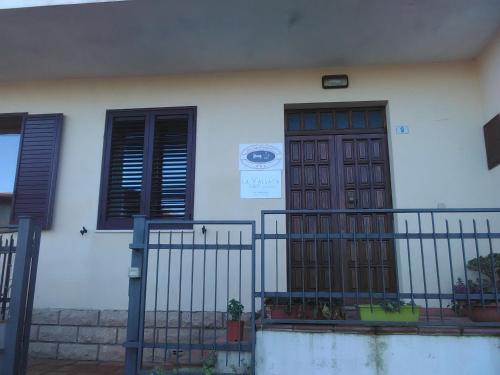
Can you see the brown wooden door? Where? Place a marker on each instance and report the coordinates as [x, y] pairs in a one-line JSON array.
[[338, 171], [364, 183]]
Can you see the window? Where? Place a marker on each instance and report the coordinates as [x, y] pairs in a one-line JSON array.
[[10, 131], [148, 166]]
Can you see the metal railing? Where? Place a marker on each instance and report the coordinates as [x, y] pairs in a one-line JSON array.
[[7, 254], [440, 267], [181, 283], [19, 248], [339, 267]]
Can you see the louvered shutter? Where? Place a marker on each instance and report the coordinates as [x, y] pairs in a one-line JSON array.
[[169, 183], [148, 166], [36, 175], [123, 172]]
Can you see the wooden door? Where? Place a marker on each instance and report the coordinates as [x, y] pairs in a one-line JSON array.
[[311, 186], [330, 169], [364, 183]]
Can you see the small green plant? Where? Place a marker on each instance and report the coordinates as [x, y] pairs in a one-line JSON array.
[[244, 369], [209, 363], [159, 371], [235, 309], [392, 305]]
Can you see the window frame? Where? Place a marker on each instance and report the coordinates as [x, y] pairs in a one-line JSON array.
[[150, 114]]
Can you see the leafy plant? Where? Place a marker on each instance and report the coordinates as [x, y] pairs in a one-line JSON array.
[[235, 309], [244, 369], [159, 371], [392, 305], [209, 364], [488, 266]]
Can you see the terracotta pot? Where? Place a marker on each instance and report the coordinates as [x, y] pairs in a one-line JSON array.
[[486, 313], [235, 330]]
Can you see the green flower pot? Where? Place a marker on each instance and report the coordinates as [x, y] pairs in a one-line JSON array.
[[377, 313]]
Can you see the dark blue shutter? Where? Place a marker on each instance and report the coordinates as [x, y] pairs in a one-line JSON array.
[[37, 168]]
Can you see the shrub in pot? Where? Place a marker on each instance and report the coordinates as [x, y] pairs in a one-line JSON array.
[[235, 326], [485, 310]]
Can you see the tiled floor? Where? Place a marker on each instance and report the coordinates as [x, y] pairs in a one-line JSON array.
[[59, 367]]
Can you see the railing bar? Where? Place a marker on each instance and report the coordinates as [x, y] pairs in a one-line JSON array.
[[4, 281], [239, 297], [316, 276], [168, 295], [330, 263], [356, 265], [252, 298], [382, 260], [389, 247], [262, 265], [423, 267], [372, 236], [179, 306], [368, 258], [227, 288], [156, 296], [215, 288], [465, 266], [473, 296], [191, 301], [276, 257], [375, 324], [203, 293], [478, 261], [437, 265], [379, 210], [289, 260], [144, 273], [450, 261], [303, 265], [492, 263]]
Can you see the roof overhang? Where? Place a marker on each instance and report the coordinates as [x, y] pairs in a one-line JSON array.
[[148, 37]]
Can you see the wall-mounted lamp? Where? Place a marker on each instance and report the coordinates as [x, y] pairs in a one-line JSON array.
[[83, 231], [337, 81]]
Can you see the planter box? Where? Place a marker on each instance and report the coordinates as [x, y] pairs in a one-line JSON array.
[[487, 313], [377, 313], [295, 311]]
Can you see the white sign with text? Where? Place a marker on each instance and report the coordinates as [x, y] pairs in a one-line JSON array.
[[260, 184]]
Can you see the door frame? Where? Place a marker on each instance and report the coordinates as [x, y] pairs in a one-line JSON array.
[[348, 106]]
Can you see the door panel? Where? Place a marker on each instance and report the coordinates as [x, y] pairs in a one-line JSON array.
[[339, 172], [310, 186], [365, 184]]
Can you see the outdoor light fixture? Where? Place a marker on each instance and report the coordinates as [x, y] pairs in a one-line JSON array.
[[337, 81]]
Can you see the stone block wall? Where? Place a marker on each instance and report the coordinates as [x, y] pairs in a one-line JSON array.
[[98, 335]]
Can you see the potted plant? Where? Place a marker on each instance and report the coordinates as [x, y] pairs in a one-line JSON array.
[[390, 311], [308, 308], [235, 326], [461, 305], [488, 268]]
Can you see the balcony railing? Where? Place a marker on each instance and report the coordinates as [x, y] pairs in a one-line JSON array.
[[19, 247], [418, 267]]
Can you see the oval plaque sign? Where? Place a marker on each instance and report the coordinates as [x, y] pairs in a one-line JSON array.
[[261, 156]]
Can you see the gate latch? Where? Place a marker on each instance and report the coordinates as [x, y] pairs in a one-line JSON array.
[[134, 273]]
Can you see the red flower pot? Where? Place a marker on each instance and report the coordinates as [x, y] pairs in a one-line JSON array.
[[235, 330]]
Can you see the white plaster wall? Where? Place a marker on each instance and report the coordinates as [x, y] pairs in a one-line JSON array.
[[284, 353], [441, 160]]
